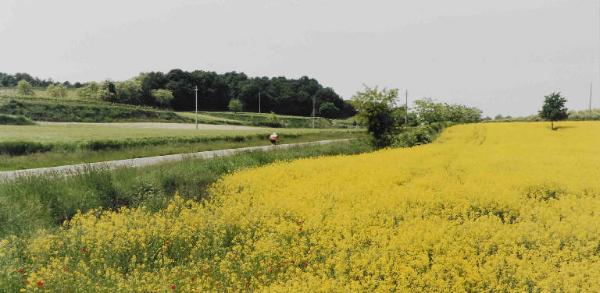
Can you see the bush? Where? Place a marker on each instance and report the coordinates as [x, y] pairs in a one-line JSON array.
[[329, 110], [236, 105], [419, 135], [375, 109], [162, 97], [81, 112], [6, 119], [25, 88], [57, 91], [18, 148]]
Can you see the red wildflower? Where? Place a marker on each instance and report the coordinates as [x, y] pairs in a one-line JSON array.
[[40, 283], [173, 287], [21, 270]]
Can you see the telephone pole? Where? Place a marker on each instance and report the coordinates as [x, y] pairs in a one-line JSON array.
[[313, 113], [590, 105], [196, 91], [259, 102], [406, 109]]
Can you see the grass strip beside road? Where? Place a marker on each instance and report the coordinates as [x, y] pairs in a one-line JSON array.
[[145, 147], [44, 202]]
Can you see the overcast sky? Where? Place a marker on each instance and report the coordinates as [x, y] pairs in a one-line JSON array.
[[501, 56]]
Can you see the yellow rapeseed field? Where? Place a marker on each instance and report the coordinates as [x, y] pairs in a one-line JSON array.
[[487, 207]]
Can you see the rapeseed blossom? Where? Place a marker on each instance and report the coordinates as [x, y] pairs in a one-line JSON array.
[[487, 207]]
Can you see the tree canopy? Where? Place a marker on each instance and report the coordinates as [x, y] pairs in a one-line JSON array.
[[280, 95], [554, 108]]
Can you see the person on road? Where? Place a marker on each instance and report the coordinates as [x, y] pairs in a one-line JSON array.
[[273, 138]]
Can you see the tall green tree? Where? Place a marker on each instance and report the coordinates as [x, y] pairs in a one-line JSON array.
[[554, 108], [375, 109], [328, 110], [25, 88]]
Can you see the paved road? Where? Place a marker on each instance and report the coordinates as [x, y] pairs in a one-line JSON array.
[[147, 161]]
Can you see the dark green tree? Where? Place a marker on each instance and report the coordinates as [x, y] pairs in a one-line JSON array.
[[554, 108], [329, 110]]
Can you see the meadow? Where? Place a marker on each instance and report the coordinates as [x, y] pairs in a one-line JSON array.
[[53, 144], [486, 207]]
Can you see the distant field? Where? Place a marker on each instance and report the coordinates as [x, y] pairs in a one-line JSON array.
[[258, 119], [54, 144], [78, 132]]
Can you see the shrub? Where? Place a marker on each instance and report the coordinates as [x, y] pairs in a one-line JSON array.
[[375, 109], [236, 105], [419, 135], [17, 148], [162, 97], [329, 110], [6, 119], [57, 90], [25, 88]]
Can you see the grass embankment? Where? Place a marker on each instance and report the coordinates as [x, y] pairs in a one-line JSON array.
[[74, 109], [507, 207], [47, 145], [78, 111], [270, 120], [30, 204]]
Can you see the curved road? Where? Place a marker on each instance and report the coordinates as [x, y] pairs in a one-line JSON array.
[[147, 161]]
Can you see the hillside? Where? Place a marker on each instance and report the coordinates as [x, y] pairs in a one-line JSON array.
[[74, 109]]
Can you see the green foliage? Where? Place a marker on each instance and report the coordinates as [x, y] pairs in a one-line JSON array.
[[375, 109], [6, 119], [89, 91], [236, 105], [57, 90], [418, 135], [272, 121], [162, 97], [108, 91], [329, 110], [399, 116], [429, 111], [34, 203], [25, 88], [128, 92], [554, 108], [279, 94], [82, 112]]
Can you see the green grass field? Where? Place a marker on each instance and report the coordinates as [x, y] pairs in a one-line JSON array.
[[258, 119], [55, 144]]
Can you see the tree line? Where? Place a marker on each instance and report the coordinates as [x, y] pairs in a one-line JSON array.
[[175, 89], [389, 123]]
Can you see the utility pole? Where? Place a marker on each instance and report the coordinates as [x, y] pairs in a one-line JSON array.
[[259, 102], [313, 112], [590, 106], [406, 109], [196, 91]]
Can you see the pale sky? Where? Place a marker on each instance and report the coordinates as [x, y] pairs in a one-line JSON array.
[[500, 56]]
